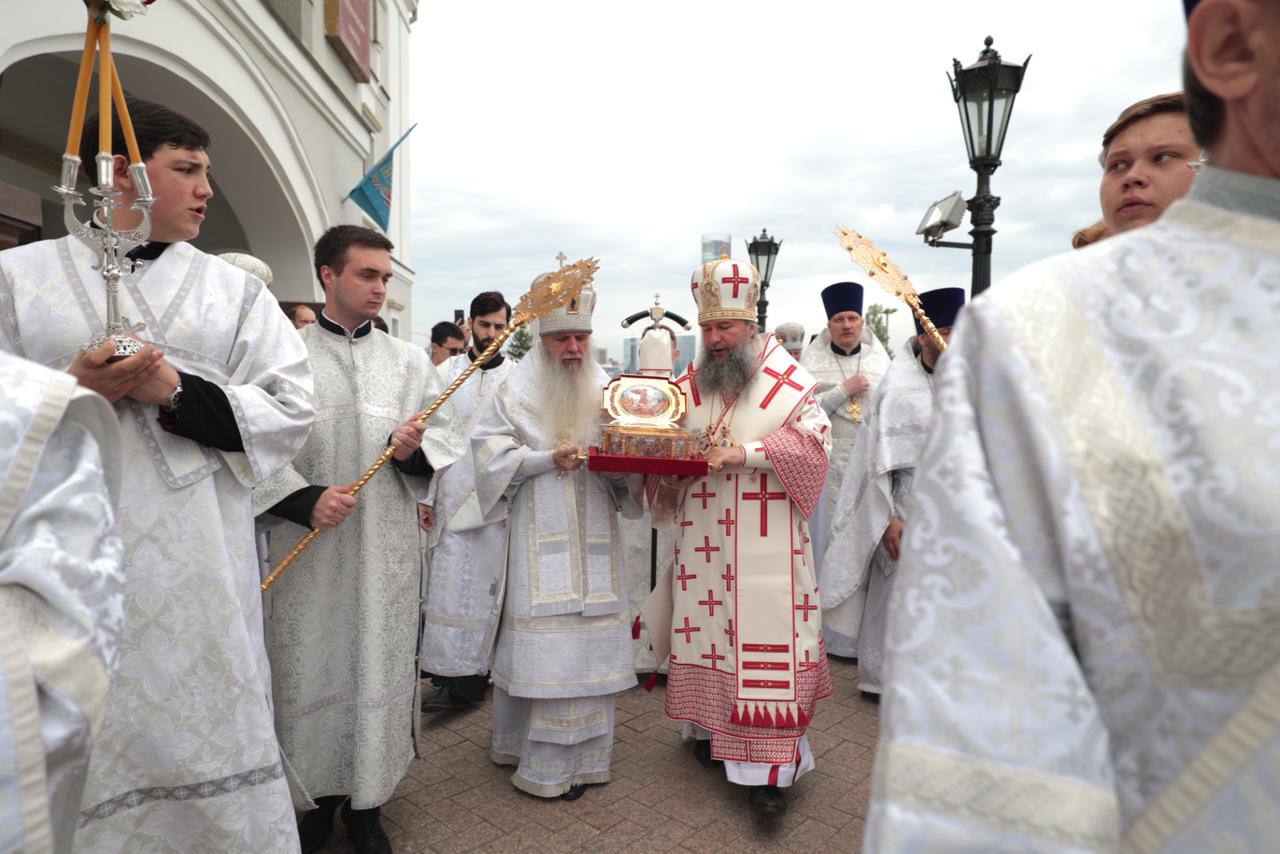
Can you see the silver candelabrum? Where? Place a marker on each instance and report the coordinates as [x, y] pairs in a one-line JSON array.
[[108, 243]]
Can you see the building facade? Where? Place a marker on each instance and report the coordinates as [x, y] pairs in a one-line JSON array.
[[301, 98]]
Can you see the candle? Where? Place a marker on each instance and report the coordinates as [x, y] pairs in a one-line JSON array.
[[122, 109], [82, 87], [104, 87]]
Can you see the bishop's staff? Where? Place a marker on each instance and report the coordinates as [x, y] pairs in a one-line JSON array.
[[876, 262], [548, 293], [108, 243]]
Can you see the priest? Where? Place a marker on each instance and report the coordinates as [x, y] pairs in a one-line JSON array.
[[1085, 628], [218, 399], [61, 600], [741, 619], [465, 548], [868, 517], [342, 622], [848, 361], [564, 646]]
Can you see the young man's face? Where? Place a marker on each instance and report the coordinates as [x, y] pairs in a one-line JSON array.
[[450, 347], [180, 182], [1145, 169], [487, 327], [357, 293]]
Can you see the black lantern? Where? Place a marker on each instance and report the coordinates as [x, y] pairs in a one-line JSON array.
[[763, 251], [984, 94]]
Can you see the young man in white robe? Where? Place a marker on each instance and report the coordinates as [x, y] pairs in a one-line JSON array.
[[342, 621], [219, 398], [869, 514], [466, 549], [1084, 637], [738, 615], [848, 361], [61, 596], [564, 645]]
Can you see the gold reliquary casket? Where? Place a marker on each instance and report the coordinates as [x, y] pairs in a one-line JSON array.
[[644, 435]]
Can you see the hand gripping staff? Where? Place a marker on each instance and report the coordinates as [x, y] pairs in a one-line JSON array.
[[876, 262], [548, 293]]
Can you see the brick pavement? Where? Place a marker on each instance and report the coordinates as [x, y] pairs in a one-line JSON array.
[[660, 798]]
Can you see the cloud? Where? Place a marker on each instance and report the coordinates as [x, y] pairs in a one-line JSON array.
[[625, 131]]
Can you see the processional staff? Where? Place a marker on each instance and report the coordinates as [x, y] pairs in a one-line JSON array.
[[110, 244], [548, 293], [875, 261]]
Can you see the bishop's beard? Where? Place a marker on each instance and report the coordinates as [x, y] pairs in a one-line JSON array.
[[570, 406], [730, 376]]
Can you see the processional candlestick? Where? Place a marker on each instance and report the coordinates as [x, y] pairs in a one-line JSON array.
[[109, 243]]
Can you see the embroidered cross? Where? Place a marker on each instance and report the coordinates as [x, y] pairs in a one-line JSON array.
[[806, 607], [764, 496], [728, 523], [713, 658], [735, 280], [704, 495], [711, 602], [684, 579], [686, 523], [782, 379], [728, 577], [730, 632], [688, 630], [706, 548]]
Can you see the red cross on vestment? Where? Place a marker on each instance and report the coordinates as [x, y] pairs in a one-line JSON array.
[[713, 658], [781, 379], [728, 523], [764, 496], [688, 630], [706, 548], [728, 577], [735, 280], [711, 602], [806, 607], [684, 578], [686, 523], [704, 495], [729, 631]]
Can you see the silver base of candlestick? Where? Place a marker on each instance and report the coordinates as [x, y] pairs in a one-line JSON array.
[[125, 346]]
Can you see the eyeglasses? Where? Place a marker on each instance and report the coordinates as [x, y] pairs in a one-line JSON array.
[[456, 351]]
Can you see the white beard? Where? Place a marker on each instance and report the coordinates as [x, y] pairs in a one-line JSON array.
[[571, 400]]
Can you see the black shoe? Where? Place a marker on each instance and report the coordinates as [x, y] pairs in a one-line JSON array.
[[870, 695], [576, 790], [317, 824], [364, 829], [767, 800], [702, 750], [446, 700]]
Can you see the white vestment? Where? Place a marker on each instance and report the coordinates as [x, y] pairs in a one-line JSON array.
[[831, 370], [744, 640], [342, 621], [187, 749], [61, 600], [1084, 638], [565, 631], [856, 572], [466, 549]]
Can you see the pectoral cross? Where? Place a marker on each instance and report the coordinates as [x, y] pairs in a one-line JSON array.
[[855, 412]]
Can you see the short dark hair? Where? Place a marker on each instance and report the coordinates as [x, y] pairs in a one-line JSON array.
[[1205, 110], [292, 313], [443, 331], [489, 302], [1174, 102], [154, 125], [331, 248]]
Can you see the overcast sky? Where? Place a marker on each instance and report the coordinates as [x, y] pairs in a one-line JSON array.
[[625, 131]]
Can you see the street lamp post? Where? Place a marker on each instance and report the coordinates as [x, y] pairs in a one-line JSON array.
[[984, 93], [763, 251]]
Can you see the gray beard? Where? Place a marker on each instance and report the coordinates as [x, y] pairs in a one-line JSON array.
[[730, 376], [570, 401]]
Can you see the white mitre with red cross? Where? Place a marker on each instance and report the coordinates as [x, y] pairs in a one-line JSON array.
[[726, 290]]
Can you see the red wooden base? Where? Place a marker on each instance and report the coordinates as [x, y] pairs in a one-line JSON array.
[[597, 461]]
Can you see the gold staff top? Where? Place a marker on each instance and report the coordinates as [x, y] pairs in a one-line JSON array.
[[875, 261], [547, 294]]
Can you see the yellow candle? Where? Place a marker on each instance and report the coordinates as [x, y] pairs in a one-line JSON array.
[[82, 87], [104, 87], [122, 108]]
